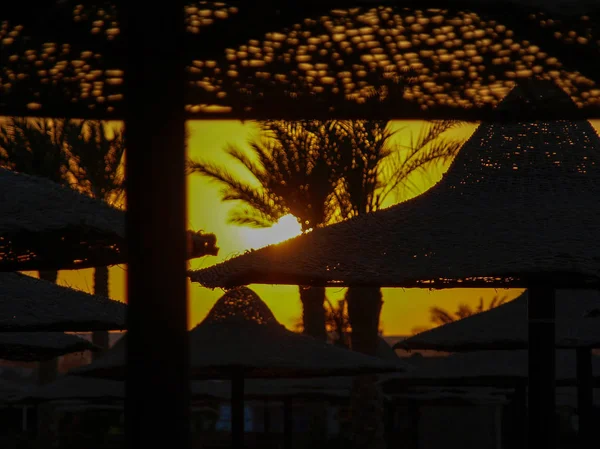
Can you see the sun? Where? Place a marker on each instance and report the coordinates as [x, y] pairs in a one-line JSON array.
[[286, 228]]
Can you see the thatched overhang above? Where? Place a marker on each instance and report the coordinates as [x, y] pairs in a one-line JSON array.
[[326, 59], [45, 226], [519, 204]]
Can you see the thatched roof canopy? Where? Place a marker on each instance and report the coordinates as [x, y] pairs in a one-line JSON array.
[[520, 201], [36, 346], [46, 226], [483, 369], [28, 304], [320, 59], [505, 327], [240, 335]]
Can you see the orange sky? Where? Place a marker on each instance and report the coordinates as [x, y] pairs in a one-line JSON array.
[[403, 309]]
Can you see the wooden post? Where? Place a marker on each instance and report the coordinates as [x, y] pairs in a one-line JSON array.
[[237, 411], [542, 367], [288, 423], [585, 398], [520, 415], [266, 417], [157, 402]]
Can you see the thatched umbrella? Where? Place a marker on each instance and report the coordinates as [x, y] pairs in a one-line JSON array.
[[36, 346], [240, 339], [47, 226], [493, 368], [45, 49], [519, 207], [30, 304], [505, 328]]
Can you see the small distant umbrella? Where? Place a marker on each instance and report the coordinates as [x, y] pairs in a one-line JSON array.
[[240, 338], [38, 346], [483, 369], [30, 304], [505, 328]]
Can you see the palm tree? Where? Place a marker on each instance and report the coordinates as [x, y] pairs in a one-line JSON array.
[[96, 163], [373, 170], [36, 147], [376, 170], [296, 166]]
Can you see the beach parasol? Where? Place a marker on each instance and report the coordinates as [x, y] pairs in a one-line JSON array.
[[30, 304], [38, 346], [518, 207], [240, 339], [68, 59], [491, 368], [505, 327], [47, 226]]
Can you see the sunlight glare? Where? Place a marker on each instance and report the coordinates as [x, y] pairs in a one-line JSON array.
[[286, 228]]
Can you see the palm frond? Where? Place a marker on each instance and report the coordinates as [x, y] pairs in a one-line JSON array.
[[236, 190]]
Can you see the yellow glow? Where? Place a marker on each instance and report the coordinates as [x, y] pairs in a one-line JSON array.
[[403, 310], [286, 228]]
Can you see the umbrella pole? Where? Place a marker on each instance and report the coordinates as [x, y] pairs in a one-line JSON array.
[[237, 411], [520, 415], [415, 415], [542, 367], [157, 393], [585, 400], [266, 417], [288, 423]]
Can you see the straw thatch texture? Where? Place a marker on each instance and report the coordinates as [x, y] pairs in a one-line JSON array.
[[36, 346], [483, 368], [323, 59], [30, 304], [48, 226], [520, 200], [240, 335], [505, 327]]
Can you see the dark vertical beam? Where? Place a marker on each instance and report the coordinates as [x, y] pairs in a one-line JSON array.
[[542, 366], [585, 400], [288, 423], [520, 415], [157, 402], [237, 411], [266, 417], [390, 422], [415, 418]]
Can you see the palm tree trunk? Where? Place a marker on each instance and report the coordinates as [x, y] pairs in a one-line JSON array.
[[100, 338], [313, 311], [364, 308]]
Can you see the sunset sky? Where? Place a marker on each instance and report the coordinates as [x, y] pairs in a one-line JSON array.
[[403, 310]]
